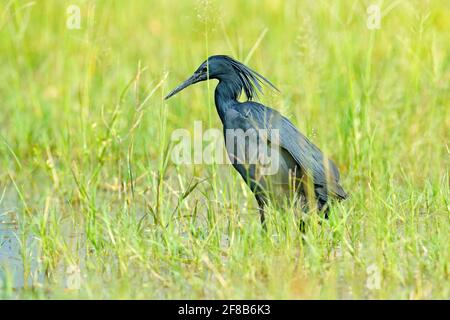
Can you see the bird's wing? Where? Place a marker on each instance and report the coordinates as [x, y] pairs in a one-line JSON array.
[[310, 159]]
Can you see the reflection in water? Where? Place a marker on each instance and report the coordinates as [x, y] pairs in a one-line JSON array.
[[12, 269]]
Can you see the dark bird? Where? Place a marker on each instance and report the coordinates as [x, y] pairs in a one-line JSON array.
[[303, 173]]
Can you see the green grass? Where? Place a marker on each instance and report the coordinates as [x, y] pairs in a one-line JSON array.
[[88, 184]]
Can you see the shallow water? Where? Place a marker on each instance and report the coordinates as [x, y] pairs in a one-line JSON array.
[[12, 271]]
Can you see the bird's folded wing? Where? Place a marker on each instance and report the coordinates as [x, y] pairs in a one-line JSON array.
[[310, 159]]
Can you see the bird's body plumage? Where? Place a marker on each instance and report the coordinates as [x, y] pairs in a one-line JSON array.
[[299, 154], [301, 162]]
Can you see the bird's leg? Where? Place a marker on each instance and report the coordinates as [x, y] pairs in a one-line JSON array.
[[262, 216], [304, 210], [323, 208], [302, 226]]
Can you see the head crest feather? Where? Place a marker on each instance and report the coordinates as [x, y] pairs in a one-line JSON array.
[[249, 80]]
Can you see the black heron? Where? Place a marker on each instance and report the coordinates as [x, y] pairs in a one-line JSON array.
[[303, 171]]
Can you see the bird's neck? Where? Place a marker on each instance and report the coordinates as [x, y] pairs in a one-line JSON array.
[[226, 95]]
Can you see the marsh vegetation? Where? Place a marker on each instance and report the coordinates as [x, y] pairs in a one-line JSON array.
[[91, 206]]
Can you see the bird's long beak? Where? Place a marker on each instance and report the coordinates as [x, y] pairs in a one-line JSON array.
[[196, 77]]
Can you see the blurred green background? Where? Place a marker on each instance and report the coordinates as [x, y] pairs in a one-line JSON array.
[[86, 181]]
